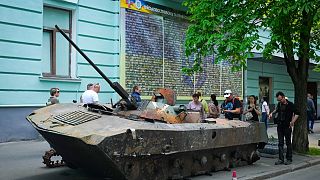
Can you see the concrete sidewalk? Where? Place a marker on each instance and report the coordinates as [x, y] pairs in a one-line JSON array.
[[265, 168], [299, 161]]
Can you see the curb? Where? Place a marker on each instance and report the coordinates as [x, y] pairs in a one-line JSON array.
[[292, 168], [275, 125]]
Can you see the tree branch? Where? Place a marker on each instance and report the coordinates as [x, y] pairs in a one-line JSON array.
[[287, 48]]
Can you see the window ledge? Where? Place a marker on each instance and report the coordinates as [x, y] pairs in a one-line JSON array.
[[60, 79]]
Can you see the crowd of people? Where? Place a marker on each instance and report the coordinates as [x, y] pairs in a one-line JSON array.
[[231, 108], [286, 115]]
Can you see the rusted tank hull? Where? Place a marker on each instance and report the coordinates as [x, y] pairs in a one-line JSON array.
[[181, 165], [116, 147], [78, 154], [92, 158]]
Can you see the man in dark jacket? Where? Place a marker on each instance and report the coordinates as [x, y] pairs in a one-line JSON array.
[[287, 116]]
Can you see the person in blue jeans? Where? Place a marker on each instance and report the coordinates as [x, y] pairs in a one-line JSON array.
[[311, 112], [265, 111]]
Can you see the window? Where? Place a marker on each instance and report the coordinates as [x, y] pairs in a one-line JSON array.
[[56, 51]]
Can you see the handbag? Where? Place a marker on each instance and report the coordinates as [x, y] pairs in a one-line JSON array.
[[213, 111], [248, 116]]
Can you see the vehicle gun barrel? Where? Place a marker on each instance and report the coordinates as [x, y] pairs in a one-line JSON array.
[[114, 85]]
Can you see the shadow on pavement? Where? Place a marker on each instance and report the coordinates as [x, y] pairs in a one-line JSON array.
[[62, 173]]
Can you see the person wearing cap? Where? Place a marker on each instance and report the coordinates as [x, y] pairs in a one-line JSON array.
[[231, 106], [91, 96], [54, 94]]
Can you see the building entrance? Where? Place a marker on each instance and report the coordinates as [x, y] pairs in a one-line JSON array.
[[265, 88]]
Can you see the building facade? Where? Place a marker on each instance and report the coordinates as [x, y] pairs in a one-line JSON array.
[[34, 57], [131, 41], [266, 78]]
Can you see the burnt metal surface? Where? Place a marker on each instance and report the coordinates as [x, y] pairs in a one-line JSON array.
[[143, 142], [120, 148], [162, 115], [154, 111], [76, 117], [168, 94], [79, 155], [181, 165], [104, 160]]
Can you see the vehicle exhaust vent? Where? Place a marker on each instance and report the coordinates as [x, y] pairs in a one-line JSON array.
[[76, 117]]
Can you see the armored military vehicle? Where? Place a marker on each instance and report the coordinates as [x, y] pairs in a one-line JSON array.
[[153, 140]]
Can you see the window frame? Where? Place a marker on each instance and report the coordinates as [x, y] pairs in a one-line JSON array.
[[53, 46]]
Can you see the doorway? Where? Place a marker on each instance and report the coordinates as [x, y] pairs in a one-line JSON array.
[[264, 88]]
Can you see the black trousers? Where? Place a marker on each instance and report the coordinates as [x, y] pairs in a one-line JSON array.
[[284, 132]]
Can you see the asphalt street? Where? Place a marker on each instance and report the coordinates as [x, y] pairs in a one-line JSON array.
[[23, 160], [303, 174]]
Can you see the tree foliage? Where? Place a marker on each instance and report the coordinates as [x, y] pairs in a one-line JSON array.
[[230, 29]]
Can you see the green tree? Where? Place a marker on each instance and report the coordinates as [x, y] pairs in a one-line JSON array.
[[230, 30]]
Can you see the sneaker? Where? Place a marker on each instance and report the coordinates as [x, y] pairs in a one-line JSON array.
[[278, 162], [288, 162]]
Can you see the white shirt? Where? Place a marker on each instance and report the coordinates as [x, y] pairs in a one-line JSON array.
[[265, 107], [89, 97]]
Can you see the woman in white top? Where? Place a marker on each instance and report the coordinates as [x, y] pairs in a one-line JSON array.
[[265, 111]]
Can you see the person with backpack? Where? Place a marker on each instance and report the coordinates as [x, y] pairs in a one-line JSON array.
[[214, 110], [231, 107]]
